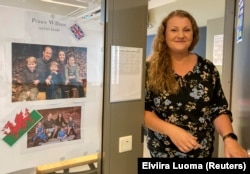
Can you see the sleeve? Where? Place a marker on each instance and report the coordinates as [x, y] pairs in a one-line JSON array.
[[219, 101]]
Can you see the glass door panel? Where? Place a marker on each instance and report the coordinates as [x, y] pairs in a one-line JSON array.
[[51, 57]]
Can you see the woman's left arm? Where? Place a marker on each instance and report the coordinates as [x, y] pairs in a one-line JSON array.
[[232, 149]]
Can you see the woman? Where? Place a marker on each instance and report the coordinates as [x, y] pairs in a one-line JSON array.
[[184, 102], [61, 59], [60, 121]]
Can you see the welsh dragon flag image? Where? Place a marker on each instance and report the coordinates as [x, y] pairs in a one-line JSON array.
[[22, 123]]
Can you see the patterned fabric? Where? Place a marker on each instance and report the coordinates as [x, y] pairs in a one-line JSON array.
[[199, 102]]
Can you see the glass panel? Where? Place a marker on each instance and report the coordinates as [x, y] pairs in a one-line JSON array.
[[211, 30], [51, 75]]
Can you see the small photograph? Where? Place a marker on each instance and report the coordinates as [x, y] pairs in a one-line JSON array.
[[57, 125], [46, 72]]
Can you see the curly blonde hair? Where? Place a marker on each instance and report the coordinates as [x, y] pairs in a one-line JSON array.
[[160, 76]]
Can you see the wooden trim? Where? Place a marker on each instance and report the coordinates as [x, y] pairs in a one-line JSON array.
[[66, 164]]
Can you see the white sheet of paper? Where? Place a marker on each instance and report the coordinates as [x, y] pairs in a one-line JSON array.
[[126, 73], [218, 49]]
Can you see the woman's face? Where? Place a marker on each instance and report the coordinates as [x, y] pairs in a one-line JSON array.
[[61, 56], [179, 34]]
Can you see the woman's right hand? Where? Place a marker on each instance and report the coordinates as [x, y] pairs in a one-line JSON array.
[[183, 140]]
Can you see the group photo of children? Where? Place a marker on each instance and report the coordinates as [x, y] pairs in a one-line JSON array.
[[44, 72], [58, 125]]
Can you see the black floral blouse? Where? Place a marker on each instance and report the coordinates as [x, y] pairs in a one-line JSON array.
[[199, 102]]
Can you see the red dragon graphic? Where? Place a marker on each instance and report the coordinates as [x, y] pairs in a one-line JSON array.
[[21, 123]]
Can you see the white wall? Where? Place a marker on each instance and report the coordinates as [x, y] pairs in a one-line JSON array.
[[202, 10]]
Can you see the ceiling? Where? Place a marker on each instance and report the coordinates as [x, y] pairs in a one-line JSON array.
[[157, 3], [39, 5], [157, 9]]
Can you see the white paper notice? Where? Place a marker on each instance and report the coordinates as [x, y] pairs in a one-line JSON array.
[[126, 73], [218, 49]]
